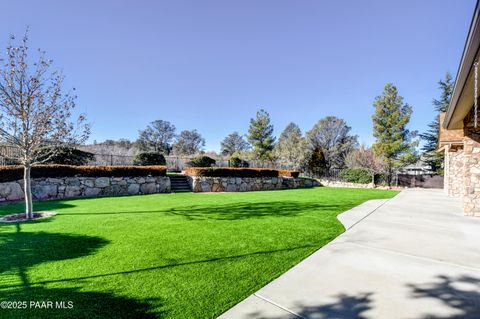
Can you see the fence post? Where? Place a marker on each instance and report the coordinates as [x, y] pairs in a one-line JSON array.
[[111, 159]]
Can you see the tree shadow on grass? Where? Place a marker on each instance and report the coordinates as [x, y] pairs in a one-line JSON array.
[[251, 210], [236, 211], [172, 265], [345, 307], [461, 293], [77, 304], [22, 250]]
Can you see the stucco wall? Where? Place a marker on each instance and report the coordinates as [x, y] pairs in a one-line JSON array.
[[69, 187]]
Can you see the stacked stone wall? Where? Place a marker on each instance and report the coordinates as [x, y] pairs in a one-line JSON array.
[[70, 187], [247, 184]]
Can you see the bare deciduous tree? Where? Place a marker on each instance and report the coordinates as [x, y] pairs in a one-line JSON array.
[[364, 157], [233, 143], [332, 136], [35, 113]]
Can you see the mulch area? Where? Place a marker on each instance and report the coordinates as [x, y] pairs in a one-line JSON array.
[[22, 217]]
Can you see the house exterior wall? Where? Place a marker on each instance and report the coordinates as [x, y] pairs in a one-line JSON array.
[[471, 198], [454, 174]]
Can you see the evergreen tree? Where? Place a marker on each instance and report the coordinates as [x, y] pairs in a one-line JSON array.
[[432, 157], [315, 162], [393, 140], [188, 143], [260, 136], [290, 148], [157, 137]]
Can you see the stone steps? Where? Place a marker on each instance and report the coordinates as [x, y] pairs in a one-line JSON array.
[[179, 184]]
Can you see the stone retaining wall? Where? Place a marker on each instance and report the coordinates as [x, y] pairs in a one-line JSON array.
[[68, 187], [331, 183], [247, 184]]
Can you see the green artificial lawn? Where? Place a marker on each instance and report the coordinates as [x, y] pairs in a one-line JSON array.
[[165, 255]]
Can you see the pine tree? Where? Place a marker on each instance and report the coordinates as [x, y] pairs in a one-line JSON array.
[[260, 136], [432, 157], [393, 140]]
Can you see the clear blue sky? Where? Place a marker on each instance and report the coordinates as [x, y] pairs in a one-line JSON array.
[[210, 65]]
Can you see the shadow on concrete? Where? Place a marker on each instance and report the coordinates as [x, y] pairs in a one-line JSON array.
[[344, 307], [461, 293]]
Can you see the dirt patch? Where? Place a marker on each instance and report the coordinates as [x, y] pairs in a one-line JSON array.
[[22, 217]]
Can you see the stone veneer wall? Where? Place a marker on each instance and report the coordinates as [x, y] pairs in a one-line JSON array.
[[453, 170], [471, 199], [471, 168], [68, 187], [246, 184]]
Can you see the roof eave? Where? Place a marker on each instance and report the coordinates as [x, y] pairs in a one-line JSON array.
[[470, 52]]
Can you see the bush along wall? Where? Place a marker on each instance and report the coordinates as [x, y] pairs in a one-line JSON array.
[[14, 173], [239, 172], [149, 158], [201, 161], [356, 175]]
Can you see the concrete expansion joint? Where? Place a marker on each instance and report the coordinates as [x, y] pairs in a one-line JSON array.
[[371, 212], [278, 305], [410, 256]]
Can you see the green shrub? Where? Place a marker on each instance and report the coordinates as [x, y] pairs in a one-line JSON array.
[[239, 172], [235, 161], [201, 161], [65, 156], [149, 158], [356, 175], [13, 173]]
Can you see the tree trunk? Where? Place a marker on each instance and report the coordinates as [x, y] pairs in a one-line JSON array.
[[28, 191]]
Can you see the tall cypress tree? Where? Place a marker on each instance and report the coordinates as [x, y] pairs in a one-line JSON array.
[[433, 158], [260, 136], [393, 139]]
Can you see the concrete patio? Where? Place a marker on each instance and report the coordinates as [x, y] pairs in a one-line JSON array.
[[414, 256]]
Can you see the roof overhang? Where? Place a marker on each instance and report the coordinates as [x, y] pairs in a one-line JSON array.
[[448, 137], [462, 97]]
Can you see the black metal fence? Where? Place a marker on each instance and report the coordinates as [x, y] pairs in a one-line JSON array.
[[178, 163], [7, 154]]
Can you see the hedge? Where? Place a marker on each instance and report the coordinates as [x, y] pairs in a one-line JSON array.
[[201, 161], [238, 172], [13, 173], [149, 158], [356, 175], [237, 162]]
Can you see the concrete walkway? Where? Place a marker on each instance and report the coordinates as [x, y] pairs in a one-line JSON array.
[[414, 256]]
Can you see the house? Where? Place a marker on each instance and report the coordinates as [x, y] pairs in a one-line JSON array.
[[459, 135]]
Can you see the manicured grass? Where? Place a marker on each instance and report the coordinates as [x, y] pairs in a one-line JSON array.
[[167, 255]]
